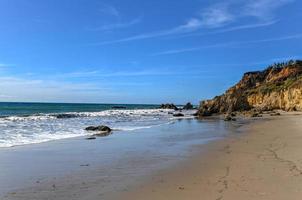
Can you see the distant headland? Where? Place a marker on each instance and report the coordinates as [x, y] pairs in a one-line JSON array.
[[277, 87]]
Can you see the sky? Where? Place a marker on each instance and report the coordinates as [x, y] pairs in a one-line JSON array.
[[140, 51]]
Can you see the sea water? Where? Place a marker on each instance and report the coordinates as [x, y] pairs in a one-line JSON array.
[[28, 123]]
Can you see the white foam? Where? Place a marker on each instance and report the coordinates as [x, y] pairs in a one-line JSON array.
[[21, 130]]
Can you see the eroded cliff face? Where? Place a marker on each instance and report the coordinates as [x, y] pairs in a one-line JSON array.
[[277, 87]]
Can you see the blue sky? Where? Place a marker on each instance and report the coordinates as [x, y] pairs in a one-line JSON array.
[[139, 51]]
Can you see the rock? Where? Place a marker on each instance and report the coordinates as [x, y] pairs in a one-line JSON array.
[[205, 113], [275, 114], [233, 114], [229, 117], [102, 131], [91, 138], [178, 115], [256, 114], [65, 116], [168, 106], [188, 106], [99, 128], [277, 87], [292, 109]]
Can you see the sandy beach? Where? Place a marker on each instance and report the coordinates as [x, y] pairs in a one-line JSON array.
[[265, 163], [260, 159]]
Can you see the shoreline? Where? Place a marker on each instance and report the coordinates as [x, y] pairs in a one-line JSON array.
[[76, 166], [208, 170], [262, 163], [18, 130]]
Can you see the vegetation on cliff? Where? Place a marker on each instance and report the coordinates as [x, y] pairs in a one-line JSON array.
[[277, 87]]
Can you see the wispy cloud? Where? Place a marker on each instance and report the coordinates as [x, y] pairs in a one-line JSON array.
[[230, 29], [106, 74], [263, 9], [191, 25], [109, 10], [217, 17], [119, 25], [228, 44]]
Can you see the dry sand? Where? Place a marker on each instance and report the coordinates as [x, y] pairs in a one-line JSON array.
[[265, 163]]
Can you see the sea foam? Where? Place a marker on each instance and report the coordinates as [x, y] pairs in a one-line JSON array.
[[37, 128]]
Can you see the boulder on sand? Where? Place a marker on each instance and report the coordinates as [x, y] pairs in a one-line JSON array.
[[256, 114], [91, 137], [275, 114]]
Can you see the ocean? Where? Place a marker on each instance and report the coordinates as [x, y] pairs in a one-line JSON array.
[[28, 123]]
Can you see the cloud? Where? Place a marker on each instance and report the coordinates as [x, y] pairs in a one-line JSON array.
[[109, 10], [191, 25], [216, 16], [228, 44], [231, 29], [264, 9], [105, 74], [112, 26]]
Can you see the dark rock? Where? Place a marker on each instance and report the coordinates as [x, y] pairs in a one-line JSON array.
[[178, 115], [229, 117], [275, 114], [292, 109], [65, 116], [188, 106], [205, 113], [99, 128], [168, 106], [91, 138], [256, 114]]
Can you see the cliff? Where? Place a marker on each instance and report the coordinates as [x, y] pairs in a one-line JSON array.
[[277, 87]]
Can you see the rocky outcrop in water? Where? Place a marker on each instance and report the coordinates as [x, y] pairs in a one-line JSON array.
[[101, 130], [168, 106], [188, 106], [277, 87], [178, 115], [65, 116]]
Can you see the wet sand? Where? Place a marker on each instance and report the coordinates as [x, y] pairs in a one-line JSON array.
[[263, 164], [88, 169], [261, 159]]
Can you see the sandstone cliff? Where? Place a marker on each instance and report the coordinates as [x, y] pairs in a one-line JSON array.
[[277, 87]]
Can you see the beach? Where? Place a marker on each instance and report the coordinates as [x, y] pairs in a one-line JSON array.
[[188, 159], [264, 163]]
